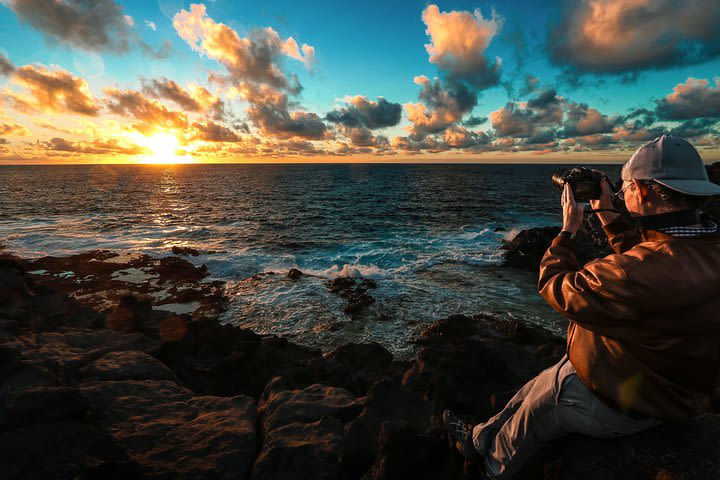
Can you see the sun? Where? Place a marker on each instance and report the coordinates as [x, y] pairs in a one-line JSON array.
[[164, 148]]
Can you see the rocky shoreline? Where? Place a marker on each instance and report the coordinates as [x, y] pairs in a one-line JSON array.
[[116, 366]]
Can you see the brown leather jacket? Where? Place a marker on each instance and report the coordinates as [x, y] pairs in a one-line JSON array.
[[644, 330]]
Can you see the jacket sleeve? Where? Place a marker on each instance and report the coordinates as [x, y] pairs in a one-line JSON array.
[[622, 235], [597, 297]]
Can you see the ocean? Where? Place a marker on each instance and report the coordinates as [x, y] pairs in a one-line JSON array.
[[428, 234]]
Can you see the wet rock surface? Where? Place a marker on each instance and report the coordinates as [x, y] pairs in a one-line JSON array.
[[527, 248], [355, 291], [97, 380], [99, 279]]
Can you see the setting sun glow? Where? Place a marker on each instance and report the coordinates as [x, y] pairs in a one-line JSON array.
[[164, 149]]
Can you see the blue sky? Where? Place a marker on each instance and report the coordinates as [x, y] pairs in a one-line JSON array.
[[372, 49]]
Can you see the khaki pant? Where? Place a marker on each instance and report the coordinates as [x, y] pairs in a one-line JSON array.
[[551, 405]]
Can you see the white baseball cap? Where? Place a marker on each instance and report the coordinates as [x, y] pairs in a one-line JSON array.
[[673, 162]]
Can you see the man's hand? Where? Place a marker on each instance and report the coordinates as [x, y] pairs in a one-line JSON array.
[[604, 202], [572, 212]]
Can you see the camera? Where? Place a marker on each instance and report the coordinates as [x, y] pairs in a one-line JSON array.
[[584, 182]]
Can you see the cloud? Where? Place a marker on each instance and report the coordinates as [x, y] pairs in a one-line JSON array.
[[522, 119], [616, 36], [359, 111], [460, 137], [161, 53], [93, 147], [530, 85], [13, 129], [91, 25], [150, 113], [458, 43], [50, 91], [210, 131], [194, 99], [150, 25], [583, 120], [441, 106], [474, 121], [253, 58], [254, 67], [696, 127], [363, 137], [695, 98], [6, 66], [269, 111]]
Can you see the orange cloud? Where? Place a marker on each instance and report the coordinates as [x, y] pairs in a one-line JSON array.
[[252, 58], [458, 43], [695, 98], [50, 91], [151, 114], [195, 99], [628, 35], [94, 147], [13, 129]]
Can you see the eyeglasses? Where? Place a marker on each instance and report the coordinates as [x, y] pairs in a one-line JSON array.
[[621, 193]]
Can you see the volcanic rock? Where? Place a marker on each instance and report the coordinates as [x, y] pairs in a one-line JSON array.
[[463, 361], [127, 365], [278, 409], [354, 291], [185, 251], [673, 451], [403, 453], [386, 400], [63, 450], [294, 274], [528, 247], [301, 451], [169, 431]]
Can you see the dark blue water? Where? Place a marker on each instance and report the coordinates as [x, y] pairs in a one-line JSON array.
[[429, 235]]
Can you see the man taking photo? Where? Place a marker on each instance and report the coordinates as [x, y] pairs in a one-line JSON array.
[[643, 344]]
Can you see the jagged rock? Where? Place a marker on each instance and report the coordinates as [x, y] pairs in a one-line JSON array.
[[356, 366], [354, 291], [129, 315], [185, 251], [169, 431], [301, 451], [406, 454], [128, 365], [226, 360], [173, 328], [294, 274], [15, 296], [41, 405], [63, 450], [99, 279], [386, 400], [527, 248], [278, 409], [463, 361], [675, 451]]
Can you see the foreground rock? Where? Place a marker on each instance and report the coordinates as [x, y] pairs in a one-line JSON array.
[[676, 451], [170, 431], [126, 390]]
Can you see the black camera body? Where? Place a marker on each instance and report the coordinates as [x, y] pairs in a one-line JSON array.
[[585, 183]]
